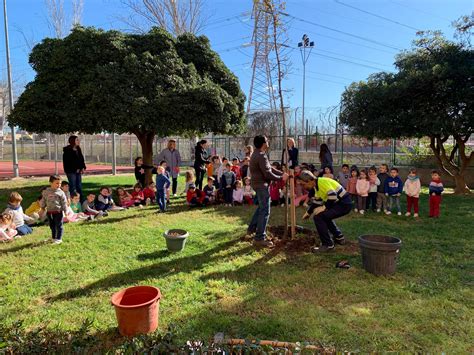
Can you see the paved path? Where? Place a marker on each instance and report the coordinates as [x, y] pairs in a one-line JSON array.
[[46, 168]]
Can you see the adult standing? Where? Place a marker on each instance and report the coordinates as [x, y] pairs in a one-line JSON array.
[[325, 157], [173, 161], [329, 200], [200, 160], [74, 165], [292, 154], [262, 174]]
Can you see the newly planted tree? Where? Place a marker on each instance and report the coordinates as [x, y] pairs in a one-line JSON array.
[[431, 95], [150, 84]]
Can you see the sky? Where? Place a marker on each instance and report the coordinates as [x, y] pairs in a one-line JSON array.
[[353, 39]]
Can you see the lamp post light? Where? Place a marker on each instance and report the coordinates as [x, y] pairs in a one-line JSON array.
[[16, 172], [306, 46]]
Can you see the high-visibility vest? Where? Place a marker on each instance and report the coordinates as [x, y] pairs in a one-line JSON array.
[[329, 190]]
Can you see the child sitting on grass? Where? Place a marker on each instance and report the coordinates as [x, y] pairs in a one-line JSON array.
[[150, 193], [7, 229], [137, 195], [20, 219], [125, 199], [189, 178], [88, 207], [195, 197], [162, 185], [249, 192], [412, 188], [105, 202], [210, 190], [54, 200], [65, 188], [34, 210], [74, 211], [238, 193]]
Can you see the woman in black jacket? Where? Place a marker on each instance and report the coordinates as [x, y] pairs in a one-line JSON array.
[[74, 165], [200, 161], [292, 154]]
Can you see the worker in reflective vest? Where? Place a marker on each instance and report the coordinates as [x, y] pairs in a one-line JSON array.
[[328, 201]]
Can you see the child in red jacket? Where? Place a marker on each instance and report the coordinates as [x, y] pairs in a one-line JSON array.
[[137, 195], [195, 197]]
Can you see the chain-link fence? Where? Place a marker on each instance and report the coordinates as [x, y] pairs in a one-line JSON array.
[[349, 149]]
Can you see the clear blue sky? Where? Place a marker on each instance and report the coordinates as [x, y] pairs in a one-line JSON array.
[[336, 29]]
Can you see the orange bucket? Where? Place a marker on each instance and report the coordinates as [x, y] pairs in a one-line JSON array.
[[137, 309]]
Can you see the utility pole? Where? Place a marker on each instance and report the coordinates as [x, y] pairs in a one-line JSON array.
[[16, 172], [303, 45]]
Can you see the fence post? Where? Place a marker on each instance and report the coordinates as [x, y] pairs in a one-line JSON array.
[[114, 157], [105, 148], [55, 154], [342, 148], [34, 146], [393, 152]]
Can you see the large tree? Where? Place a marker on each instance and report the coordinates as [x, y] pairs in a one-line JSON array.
[[431, 94], [149, 84]]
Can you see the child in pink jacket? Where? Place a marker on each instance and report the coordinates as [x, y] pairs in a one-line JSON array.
[[362, 188], [412, 188]]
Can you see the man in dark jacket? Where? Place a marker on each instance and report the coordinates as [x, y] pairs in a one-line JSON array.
[[262, 174], [74, 165]]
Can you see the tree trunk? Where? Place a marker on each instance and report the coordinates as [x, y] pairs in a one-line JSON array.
[[447, 164], [146, 142], [461, 186]]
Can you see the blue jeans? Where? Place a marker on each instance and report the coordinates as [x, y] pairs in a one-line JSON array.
[[24, 230], [262, 214], [56, 225], [75, 183], [161, 199]]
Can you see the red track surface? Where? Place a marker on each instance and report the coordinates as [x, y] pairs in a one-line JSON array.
[[46, 168]]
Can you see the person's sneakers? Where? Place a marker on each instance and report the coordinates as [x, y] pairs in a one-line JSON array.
[[148, 201], [388, 212], [415, 215], [340, 240], [356, 210], [378, 210], [399, 214], [175, 195], [362, 212], [57, 241], [265, 243], [408, 214], [322, 249]]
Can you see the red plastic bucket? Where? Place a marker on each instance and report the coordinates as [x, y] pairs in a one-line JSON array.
[[137, 309]]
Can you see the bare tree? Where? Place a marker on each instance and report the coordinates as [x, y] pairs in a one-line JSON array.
[[175, 16], [58, 21], [77, 9]]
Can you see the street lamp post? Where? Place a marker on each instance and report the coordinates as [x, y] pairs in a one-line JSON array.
[[303, 45], [16, 173]]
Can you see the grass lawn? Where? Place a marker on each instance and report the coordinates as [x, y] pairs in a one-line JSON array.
[[221, 284]]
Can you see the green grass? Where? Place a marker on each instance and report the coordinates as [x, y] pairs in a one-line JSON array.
[[220, 284]]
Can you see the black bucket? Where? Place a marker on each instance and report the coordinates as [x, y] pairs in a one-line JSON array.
[[380, 253]]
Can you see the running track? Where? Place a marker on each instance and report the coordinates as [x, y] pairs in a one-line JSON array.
[[46, 168]]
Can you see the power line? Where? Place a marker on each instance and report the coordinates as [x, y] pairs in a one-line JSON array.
[[421, 11], [344, 33], [345, 41], [375, 15], [350, 57]]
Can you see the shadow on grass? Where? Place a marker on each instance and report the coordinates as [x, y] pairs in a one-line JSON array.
[[155, 255], [185, 264], [23, 247]]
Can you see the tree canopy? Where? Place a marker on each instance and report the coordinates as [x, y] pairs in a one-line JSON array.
[[146, 84], [431, 94]]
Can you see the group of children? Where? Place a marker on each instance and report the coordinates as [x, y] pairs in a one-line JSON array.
[[380, 190], [55, 205]]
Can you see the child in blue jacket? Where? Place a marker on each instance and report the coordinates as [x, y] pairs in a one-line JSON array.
[[394, 189]]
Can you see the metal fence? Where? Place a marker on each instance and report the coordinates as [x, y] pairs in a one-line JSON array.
[[345, 148]]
